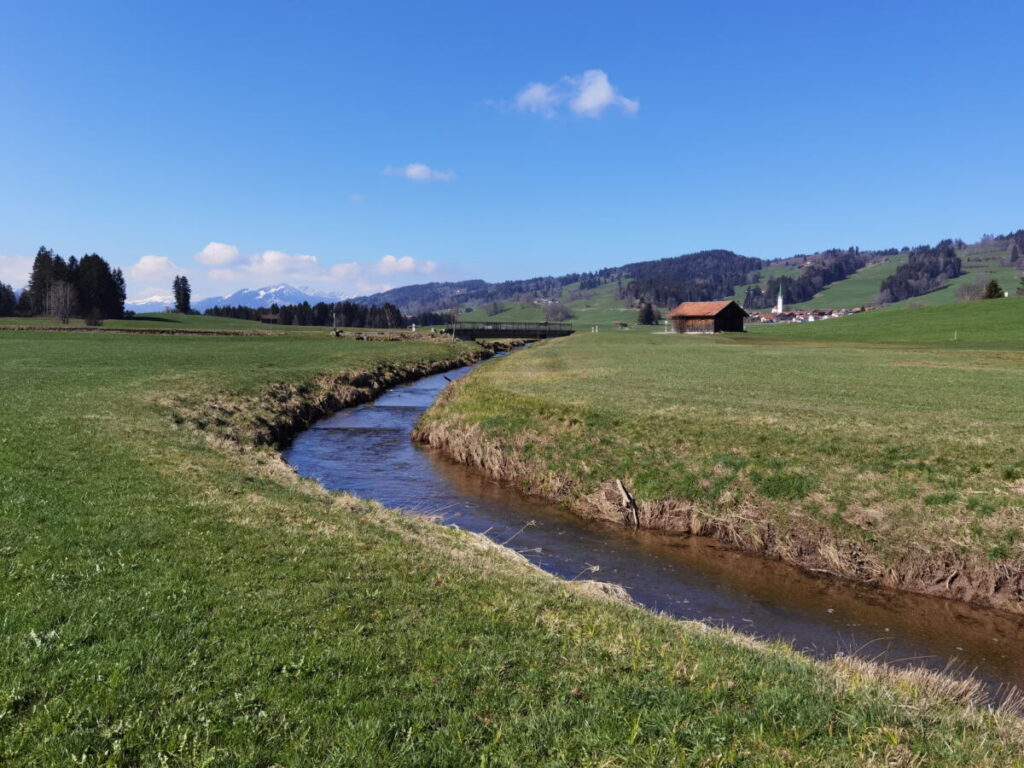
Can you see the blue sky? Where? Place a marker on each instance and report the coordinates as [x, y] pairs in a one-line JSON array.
[[353, 146]]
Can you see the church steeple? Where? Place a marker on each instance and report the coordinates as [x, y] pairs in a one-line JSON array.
[[778, 303]]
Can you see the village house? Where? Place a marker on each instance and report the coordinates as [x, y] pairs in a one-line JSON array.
[[707, 317]]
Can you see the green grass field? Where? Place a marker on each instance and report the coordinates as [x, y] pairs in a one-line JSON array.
[[160, 321], [171, 598], [883, 447]]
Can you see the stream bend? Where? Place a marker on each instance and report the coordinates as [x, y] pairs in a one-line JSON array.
[[367, 451]]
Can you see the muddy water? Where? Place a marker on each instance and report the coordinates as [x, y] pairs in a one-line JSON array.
[[367, 451]]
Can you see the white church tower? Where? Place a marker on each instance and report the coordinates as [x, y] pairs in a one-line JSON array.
[[778, 303]]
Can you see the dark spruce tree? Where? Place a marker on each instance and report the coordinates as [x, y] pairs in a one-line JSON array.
[[8, 302], [101, 290], [992, 290], [39, 281], [182, 295], [647, 315]]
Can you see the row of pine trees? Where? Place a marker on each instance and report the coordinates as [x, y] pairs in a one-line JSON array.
[[66, 288]]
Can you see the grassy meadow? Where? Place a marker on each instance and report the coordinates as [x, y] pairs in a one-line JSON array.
[[875, 447], [158, 321], [172, 597]]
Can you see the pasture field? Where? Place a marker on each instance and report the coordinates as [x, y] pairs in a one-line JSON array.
[[159, 321], [174, 595], [874, 447]]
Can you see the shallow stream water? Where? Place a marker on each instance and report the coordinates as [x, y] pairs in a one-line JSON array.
[[368, 452]]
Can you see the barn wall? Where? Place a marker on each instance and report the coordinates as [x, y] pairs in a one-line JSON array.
[[693, 324]]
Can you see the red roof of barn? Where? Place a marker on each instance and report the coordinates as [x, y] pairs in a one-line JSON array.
[[701, 308]]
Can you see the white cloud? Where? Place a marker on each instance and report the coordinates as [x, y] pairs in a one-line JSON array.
[[587, 95], [274, 263], [594, 93], [217, 254], [152, 268], [14, 270], [539, 98], [389, 265], [274, 266], [344, 271], [419, 172]]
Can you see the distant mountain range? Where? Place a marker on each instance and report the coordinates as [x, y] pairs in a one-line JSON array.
[[256, 298], [265, 297], [150, 304]]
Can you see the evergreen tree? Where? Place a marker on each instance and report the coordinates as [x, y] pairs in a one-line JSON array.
[[992, 290], [39, 281], [8, 302], [182, 295], [24, 307], [119, 294], [646, 316], [101, 291]]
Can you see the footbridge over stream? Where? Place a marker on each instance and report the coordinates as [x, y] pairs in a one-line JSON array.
[[470, 331]]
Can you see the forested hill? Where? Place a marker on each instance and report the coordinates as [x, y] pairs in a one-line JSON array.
[[879, 277], [695, 276], [702, 276]]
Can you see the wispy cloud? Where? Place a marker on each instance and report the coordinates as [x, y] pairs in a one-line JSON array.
[[539, 98], [418, 172], [356, 197], [586, 95]]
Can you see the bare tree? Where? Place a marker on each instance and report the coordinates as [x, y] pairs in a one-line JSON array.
[[970, 291], [61, 300], [556, 311]]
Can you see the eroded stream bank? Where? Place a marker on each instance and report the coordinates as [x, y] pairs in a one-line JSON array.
[[367, 451]]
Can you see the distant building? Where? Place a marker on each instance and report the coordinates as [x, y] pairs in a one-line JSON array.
[[778, 310], [707, 317]]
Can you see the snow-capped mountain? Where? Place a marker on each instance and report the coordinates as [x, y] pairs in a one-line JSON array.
[[264, 297], [150, 304]]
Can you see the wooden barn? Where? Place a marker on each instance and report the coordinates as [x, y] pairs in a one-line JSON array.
[[707, 317]]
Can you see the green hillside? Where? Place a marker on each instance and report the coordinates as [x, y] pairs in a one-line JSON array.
[[857, 290], [767, 274], [979, 268], [599, 306], [995, 324], [862, 287]]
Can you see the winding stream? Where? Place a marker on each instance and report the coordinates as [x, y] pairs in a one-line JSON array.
[[367, 451]]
